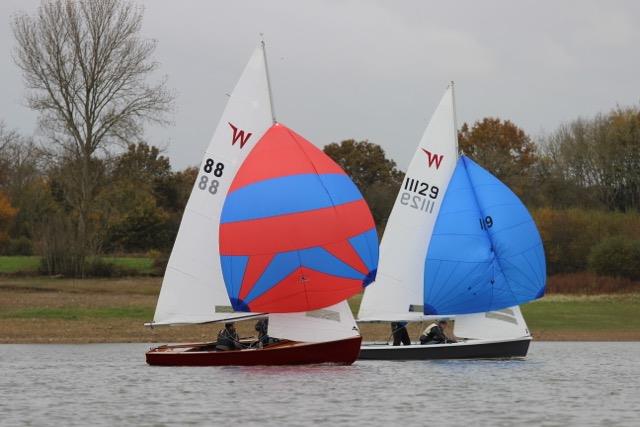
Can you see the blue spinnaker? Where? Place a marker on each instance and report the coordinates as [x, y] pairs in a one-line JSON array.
[[485, 252]]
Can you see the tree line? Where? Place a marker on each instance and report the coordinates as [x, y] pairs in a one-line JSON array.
[[91, 184]]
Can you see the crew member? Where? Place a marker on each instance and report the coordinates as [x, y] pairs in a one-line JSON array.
[[262, 327], [228, 338], [434, 334], [400, 333]]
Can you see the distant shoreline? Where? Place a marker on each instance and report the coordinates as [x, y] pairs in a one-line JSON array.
[[39, 310]]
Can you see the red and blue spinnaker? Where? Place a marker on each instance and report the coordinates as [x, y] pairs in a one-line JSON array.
[[295, 233]]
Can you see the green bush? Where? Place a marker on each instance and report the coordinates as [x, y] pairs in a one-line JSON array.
[[160, 261], [616, 257], [20, 246], [93, 267]]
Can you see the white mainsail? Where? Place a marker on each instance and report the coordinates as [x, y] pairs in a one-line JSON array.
[[332, 323], [397, 293], [502, 324], [193, 289]]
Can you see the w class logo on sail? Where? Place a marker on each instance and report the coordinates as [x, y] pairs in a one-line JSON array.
[[239, 135], [295, 233], [433, 159]]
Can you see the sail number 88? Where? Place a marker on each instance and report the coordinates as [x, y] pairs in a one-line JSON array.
[[217, 171], [209, 167]]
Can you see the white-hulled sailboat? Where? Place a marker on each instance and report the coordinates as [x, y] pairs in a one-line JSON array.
[[273, 228], [460, 245]]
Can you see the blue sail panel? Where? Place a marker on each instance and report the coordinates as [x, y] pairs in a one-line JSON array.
[[485, 252]]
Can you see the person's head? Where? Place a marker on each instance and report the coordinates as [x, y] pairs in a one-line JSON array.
[[230, 326], [442, 323]]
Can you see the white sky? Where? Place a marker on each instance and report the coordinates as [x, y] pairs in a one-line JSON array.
[[376, 69]]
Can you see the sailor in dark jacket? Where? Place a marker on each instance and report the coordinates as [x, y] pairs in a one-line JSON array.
[[400, 334], [434, 334], [262, 327], [228, 338]]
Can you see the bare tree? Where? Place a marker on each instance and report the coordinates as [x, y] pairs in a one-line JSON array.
[[86, 69]]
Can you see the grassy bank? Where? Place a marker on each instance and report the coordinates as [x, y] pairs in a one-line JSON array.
[[29, 265], [113, 310]]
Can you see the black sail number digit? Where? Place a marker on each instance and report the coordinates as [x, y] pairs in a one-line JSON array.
[[486, 223], [218, 170]]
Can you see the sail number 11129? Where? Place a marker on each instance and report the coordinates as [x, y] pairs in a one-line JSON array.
[[419, 195]]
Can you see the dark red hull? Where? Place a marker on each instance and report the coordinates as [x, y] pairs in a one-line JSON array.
[[342, 352]]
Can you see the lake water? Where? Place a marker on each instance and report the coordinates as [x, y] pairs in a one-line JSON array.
[[559, 384]]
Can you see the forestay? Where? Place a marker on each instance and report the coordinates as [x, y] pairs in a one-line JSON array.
[[193, 288], [327, 324], [397, 293], [485, 253]]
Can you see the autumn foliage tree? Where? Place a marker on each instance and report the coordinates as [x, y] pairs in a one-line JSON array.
[[376, 176], [502, 148], [7, 214]]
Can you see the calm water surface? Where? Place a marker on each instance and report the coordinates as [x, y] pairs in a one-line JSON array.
[[559, 384]]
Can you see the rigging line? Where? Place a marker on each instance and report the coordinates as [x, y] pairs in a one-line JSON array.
[[302, 278]]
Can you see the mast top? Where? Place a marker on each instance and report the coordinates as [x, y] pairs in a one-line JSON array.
[[266, 69]]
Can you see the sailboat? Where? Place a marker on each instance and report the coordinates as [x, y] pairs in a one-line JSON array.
[[458, 244], [273, 229]]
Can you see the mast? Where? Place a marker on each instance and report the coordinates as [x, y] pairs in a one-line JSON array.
[[266, 68], [455, 118]]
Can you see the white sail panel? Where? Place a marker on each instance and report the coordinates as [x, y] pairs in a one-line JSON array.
[[193, 289], [328, 324], [493, 325], [397, 293]]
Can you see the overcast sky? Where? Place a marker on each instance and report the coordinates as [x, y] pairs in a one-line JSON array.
[[376, 69]]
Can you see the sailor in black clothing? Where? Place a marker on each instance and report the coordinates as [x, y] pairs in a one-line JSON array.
[[262, 327], [434, 334], [228, 338], [400, 334]]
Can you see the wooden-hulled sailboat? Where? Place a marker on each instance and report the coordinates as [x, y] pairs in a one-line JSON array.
[[273, 228], [458, 244]]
